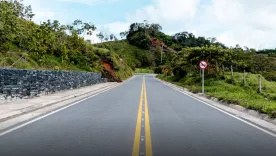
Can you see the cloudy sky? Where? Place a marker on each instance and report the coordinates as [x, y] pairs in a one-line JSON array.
[[250, 23]]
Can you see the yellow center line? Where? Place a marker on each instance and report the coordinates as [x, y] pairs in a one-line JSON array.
[[147, 123], [136, 144]]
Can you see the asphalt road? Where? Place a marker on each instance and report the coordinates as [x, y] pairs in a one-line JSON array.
[[138, 119]]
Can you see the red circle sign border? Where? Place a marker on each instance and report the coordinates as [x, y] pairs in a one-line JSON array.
[[206, 64]]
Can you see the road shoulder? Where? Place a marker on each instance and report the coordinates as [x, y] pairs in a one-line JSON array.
[[22, 110], [236, 112]]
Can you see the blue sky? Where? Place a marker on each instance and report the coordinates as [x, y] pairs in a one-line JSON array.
[[99, 12], [246, 22]]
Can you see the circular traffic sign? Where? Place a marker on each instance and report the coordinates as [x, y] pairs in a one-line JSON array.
[[203, 64], [166, 70]]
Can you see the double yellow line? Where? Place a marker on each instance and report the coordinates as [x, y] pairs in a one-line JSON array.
[[137, 140]]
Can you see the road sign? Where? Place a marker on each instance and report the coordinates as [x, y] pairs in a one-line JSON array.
[[203, 65], [166, 71]]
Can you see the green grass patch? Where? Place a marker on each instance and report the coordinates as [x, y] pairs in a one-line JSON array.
[[143, 70], [50, 62], [239, 93], [132, 55]]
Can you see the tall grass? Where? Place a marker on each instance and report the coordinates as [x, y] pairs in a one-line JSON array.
[[143, 70], [235, 91]]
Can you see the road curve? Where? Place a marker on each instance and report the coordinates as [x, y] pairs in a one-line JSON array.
[[140, 117]]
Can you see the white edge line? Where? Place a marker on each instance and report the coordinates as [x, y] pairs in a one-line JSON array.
[[242, 120], [53, 112]]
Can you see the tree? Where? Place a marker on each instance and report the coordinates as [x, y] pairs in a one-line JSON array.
[[261, 63], [115, 38], [212, 40], [140, 34], [100, 36], [55, 25], [82, 28], [29, 12], [111, 37], [106, 38]]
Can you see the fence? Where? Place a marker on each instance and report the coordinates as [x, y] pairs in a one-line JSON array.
[[240, 77], [25, 83]]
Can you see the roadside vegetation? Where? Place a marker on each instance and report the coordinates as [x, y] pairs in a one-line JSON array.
[[144, 48], [219, 82], [144, 70], [134, 56], [51, 45], [239, 93]]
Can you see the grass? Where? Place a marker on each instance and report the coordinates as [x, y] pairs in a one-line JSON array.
[[132, 55], [48, 62], [143, 70], [51, 62], [235, 91]]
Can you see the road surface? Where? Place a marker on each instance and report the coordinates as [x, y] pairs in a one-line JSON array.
[[140, 117]]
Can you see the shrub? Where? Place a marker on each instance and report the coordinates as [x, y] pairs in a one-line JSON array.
[[230, 81], [179, 72], [271, 76], [158, 70]]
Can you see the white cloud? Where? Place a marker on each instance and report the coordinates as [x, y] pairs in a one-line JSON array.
[[88, 2], [117, 27], [44, 14], [173, 15], [41, 13], [93, 38], [249, 23]]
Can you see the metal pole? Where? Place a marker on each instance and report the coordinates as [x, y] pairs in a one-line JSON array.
[[259, 83], [161, 54], [166, 76], [244, 77], [232, 74], [200, 72], [223, 70], [202, 81]]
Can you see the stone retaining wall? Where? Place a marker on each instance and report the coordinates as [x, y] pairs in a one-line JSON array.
[[17, 83]]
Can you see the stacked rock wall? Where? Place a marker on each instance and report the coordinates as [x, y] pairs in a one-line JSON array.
[[25, 83]]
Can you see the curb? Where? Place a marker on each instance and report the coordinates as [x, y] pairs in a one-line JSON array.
[[63, 99]]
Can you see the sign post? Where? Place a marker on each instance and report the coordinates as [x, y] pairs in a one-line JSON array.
[[166, 71], [203, 65]]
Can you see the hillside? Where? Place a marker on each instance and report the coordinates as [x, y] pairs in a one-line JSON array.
[[51, 45], [134, 56]]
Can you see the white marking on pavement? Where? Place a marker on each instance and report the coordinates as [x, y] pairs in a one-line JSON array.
[[244, 121], [53, 112]]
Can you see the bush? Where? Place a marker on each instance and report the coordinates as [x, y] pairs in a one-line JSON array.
[[231, 81], [273, 114], [158, 70], [270, 76], [179, 72], [56, 68]]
